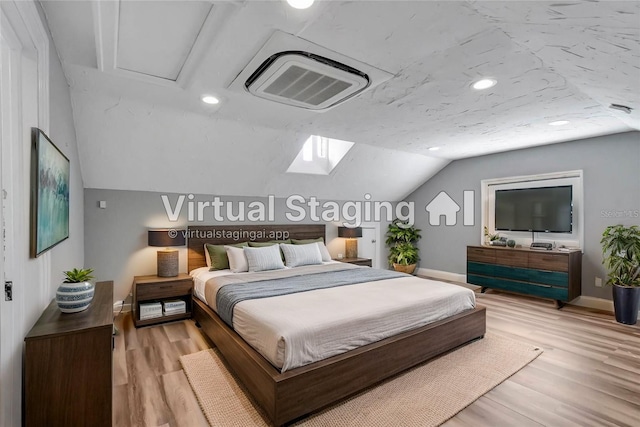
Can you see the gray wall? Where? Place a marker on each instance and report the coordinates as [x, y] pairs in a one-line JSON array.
[[611, 166], [116, 237]]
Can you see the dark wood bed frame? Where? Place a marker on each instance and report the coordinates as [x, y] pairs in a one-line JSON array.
[[290, 395]]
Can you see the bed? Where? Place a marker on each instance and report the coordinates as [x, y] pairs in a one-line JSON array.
[[298, 390]]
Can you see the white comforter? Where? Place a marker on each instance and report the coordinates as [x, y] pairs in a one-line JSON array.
[[298, 329]]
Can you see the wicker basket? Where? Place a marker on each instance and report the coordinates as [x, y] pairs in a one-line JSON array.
[[404, 268]]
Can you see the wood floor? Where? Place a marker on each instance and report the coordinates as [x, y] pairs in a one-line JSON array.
[[588, 375]]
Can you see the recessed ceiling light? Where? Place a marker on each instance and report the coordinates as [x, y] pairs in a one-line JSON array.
[[484, 84], [434, 148], [559, 123], [209, 99], [300, 4]]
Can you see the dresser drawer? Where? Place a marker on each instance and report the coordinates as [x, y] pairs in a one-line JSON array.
[[512, 258], [550, 262], [481, 255], [512, 273], [555, 278], [148, 291], [480, 268]]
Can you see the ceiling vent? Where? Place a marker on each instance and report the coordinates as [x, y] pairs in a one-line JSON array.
[[306, 80]]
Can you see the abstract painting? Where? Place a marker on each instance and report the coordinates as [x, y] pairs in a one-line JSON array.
[[49, 194]]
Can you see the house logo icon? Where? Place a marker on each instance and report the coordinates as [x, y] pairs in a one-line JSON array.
[[444, 205]]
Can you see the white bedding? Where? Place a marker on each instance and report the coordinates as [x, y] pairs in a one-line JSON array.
[[298, 329]]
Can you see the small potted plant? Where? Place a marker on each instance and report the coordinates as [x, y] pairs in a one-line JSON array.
[[621, 256], [488, 237], [401, 241], [76, 292]]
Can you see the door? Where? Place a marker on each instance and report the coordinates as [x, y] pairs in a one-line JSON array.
[[368, 245]]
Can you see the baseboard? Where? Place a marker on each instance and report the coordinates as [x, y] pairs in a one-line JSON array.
[[581, 301], [460, 279], [593, 302], [120, 307]]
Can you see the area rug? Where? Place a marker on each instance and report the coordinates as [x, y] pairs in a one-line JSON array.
[[427, 395]]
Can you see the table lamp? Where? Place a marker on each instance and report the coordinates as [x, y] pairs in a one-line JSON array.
[[168, 259], [351, 245]]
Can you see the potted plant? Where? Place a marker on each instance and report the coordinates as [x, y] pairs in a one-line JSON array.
[[488, 237], [401, 241], [76, 292], [621, 256]]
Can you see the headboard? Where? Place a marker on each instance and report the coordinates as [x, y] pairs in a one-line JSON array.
[[198, 235]]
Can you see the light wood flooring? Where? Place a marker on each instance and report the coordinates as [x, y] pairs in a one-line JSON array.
[[588, 375]]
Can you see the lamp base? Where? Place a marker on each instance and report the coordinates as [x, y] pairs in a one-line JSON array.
[[168, 263], [351, 248]]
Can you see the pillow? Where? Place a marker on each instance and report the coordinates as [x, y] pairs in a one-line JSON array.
[[269, 243], [217, 255], [265, 258], [207, 257], [237, 259], [306, 241], [326, 256], [297, 255]]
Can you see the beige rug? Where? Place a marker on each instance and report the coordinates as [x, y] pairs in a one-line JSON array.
[[427, 395]]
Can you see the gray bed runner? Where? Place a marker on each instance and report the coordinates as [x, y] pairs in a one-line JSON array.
[[232, 293]]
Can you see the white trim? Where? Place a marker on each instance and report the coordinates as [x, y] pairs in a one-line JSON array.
[[574, 178], [593, 302], [120, 306]]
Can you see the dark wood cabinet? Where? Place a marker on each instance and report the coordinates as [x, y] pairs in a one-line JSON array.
[[546, 274], [357, 261], [68, 365], [149, 289]]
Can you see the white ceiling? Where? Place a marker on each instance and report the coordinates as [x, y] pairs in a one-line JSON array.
[[137, 70]]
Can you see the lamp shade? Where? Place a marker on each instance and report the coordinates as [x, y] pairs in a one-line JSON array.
[[166, 237], [350, 233]]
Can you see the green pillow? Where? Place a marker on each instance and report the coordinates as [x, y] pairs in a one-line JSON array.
[[218, 255], [270, 243], [307, 241]]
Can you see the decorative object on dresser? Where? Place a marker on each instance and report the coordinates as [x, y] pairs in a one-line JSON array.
[[621, 252], [76, 292], [351, 244], [68, 364], [168, 259], [401, 241], [357, 261], [152, 293], [548, 274]]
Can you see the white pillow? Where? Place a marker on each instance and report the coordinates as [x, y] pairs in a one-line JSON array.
[[237, 260], [207, 256], [296, 255], [263, 258], [326, 256]]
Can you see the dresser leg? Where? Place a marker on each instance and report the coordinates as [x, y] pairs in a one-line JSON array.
[[483, 290], [559, 304]]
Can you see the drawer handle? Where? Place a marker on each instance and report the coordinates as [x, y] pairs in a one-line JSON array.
[[166, 287]]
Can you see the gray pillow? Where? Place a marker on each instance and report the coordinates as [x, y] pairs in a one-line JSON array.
[[265, 258]]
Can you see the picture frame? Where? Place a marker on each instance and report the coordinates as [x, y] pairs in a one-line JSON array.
[[50, 173]]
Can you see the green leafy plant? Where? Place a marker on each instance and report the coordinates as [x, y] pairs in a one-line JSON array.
[[78, 275], [490, 236], [401, 240], [621, 254]]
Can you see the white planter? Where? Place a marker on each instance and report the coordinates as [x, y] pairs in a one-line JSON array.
[[74, 297]]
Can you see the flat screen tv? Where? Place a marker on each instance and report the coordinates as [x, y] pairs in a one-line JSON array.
[[542, 209]]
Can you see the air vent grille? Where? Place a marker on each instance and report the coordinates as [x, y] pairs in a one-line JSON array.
[[305, 80]]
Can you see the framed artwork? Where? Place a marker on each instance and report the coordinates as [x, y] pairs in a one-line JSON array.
[[49, 194]]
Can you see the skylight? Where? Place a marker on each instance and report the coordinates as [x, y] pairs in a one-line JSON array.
[[319, 155]]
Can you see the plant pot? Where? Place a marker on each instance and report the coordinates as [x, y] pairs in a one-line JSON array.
[[74, 297], [404, 268], [626, 301]]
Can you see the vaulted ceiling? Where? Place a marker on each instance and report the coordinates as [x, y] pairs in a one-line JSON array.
[[137, 71]]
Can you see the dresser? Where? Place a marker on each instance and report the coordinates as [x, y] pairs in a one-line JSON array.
[[68, 365], [542, 273]]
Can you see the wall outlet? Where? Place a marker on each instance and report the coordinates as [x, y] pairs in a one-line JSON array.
[[598, 282]]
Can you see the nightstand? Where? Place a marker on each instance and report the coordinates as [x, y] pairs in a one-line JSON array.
[[150, 289], [366, 262]]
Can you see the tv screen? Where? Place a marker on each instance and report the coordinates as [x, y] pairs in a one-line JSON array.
[[543, 209]]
